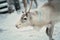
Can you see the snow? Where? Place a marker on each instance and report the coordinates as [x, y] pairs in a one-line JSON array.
[[8, 31]]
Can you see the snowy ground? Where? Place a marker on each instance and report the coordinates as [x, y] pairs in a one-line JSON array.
[[8, 31]]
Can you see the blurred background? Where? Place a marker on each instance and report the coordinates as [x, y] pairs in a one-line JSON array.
[[10, 11], [9, 6]]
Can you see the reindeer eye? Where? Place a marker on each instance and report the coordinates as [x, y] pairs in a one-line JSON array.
[[25, 18]]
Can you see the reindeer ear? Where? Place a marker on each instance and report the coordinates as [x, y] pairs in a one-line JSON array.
[[27, 13], [22, 11]]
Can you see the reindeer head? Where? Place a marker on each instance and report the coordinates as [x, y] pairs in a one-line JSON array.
[[25, 18]]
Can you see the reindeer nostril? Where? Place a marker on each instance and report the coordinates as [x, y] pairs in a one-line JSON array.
[[16, 25]]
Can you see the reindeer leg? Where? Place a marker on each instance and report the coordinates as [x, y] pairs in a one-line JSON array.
[[49, 31]]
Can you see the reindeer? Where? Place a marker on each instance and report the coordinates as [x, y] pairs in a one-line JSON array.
[[38, 18]]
